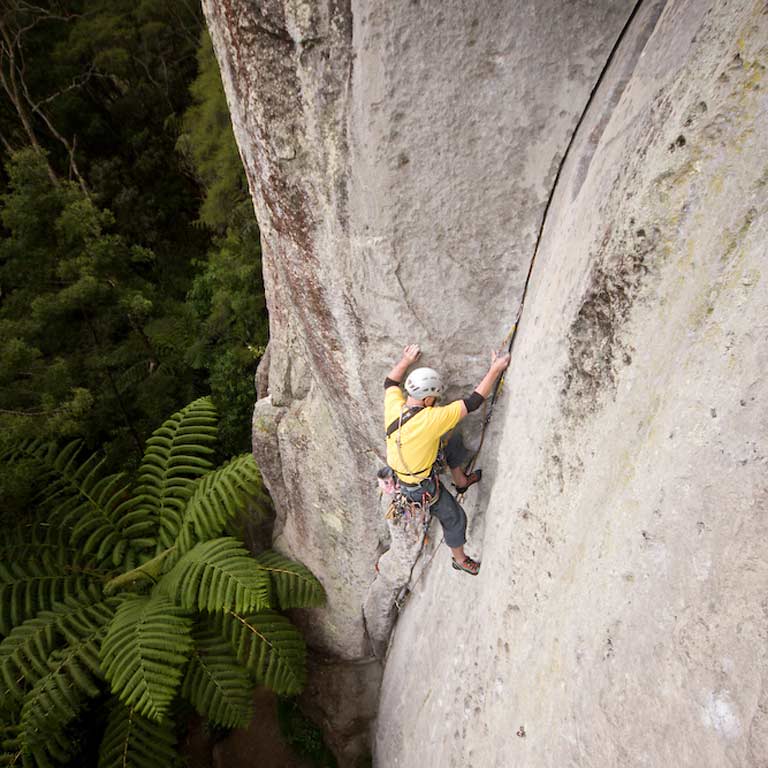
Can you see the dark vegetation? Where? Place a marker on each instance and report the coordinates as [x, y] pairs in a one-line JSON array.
[[130, 279], [138, 596], [130, 286]]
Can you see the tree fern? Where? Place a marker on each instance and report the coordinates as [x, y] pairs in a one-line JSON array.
[[97, 530], [217, 498], [268, 645], [218, 575], [133, 741], [66, 478], [146, 647], [99, 588], [216, 684], [36, 539], [24, 656], [26, 589], [24, 653], [293, 582], [56, 697], [177, 454], [11, 752], [95, 509]]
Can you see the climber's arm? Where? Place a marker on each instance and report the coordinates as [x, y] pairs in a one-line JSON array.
[[410, 355], [498, 364], [483, 389]]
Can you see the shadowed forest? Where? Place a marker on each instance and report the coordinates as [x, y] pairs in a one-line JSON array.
[[137, 595], [130, 280]]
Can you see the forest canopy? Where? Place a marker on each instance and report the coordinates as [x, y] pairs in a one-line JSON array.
[[130, 275]]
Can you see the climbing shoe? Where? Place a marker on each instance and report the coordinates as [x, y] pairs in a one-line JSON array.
[[470, 566], [472, 478]]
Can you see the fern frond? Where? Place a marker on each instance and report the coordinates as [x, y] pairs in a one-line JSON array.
[[133, 741], [11, 751], [177, 454], [97, 509], [132, 376], [216, 684], [24, 653], [146, 646], [67, 479], [217, 575], [268, 645], [36, 539], [34, 586], [294, 583], [56, 698], [217, 498], [100, 526]]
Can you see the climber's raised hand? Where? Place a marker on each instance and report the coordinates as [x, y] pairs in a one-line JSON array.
[[499, 361], [411, 353]]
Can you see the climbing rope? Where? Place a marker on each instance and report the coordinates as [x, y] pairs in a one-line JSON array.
[[402, 596], [489, 406]]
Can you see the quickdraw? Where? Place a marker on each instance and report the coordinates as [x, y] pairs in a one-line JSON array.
[[402, 509]]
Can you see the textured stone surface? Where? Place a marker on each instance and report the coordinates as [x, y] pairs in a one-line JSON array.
[[343, 697], [400, 156], [621, 615]]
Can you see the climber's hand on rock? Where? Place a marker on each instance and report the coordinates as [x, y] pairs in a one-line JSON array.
[[411, 353], [499, 362]]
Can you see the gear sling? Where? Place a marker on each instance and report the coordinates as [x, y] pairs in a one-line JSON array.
[[401, 507]]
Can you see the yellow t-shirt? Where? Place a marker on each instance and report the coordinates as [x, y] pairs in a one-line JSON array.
[[419, 437]]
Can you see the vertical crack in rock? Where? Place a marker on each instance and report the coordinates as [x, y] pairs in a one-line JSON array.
[[432, 152], [653, 10], [597, 327]]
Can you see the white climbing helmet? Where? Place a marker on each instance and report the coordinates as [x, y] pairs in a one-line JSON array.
[[424, 382]]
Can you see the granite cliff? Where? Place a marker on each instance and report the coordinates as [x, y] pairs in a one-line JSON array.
[[420, 168]]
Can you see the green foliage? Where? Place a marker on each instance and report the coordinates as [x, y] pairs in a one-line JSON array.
[[127, 293], [215, 502], [25, 651], [133, 741], [86, 607], [218, 575], [77, 315], [302, 734], [269, 646], [227, 295], [227, 298], [216, 684], [208, 144], [55, 697], [143, 654], [293, 582], [177, 454], [37, 584]]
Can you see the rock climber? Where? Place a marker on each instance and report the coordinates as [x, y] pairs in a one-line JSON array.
[[412, 447]]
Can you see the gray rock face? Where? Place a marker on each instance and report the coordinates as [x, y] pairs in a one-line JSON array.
[[620, 617], [401, 157]]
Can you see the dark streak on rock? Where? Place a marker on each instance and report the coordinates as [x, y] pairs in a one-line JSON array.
[[266, 61], [596, 349]]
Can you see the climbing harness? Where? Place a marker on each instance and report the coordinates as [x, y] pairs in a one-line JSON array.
[[488, 407], [403, 509], [405, 415], [403, 418], [413, 514]]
